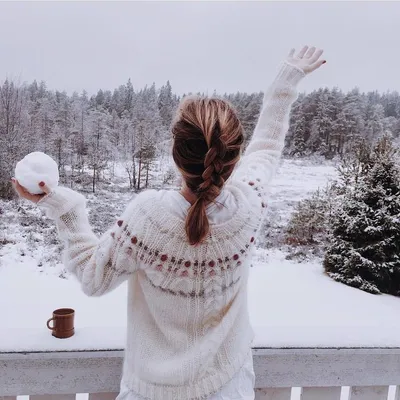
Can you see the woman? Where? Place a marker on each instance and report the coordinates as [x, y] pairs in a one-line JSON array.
[[186, 254]]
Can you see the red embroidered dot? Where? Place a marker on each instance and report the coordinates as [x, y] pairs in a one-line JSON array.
[[236, 256], [164, 257], [134, 240], [187, 264], [239, 263], [220, 260], [120, 222], [159, 267], [185, 273], [252, 239], [212, 272], [211, 264], [112, 234], [251, 183]]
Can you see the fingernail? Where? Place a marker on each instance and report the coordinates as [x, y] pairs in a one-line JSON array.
[[41, 184]]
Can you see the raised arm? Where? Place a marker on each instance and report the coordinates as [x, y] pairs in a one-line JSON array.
[[262, 155]]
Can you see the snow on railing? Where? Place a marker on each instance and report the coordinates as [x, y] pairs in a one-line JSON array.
[[322, 374]]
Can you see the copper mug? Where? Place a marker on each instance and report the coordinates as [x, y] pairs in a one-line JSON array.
[[63, 323]]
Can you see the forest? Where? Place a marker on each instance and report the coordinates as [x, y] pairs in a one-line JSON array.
[[128, 127]]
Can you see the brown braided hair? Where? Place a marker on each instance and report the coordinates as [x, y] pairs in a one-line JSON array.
[[207, 141]]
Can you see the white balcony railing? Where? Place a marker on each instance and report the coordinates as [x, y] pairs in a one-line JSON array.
[[323, 374]]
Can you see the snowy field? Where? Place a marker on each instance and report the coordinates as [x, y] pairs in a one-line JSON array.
[[291, 304]]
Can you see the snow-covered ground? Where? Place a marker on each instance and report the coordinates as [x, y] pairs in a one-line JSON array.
[[291, 304]]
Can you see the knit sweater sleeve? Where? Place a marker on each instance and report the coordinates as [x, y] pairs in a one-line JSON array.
[[258, 163], [100, 264]]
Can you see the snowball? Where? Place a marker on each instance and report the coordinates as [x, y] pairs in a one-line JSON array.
[[34, 168]]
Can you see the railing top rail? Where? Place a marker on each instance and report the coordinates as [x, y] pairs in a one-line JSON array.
[[99, 371], [257, 351]]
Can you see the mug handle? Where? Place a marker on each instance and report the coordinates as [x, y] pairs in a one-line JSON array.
[[48, 323]]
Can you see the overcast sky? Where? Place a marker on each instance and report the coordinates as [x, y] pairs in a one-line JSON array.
[[198, 46]]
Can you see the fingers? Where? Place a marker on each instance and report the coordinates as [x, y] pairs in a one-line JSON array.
[[316, 65], [22, 192], [17, 187], [291, 53], [44, 187], [316, 56], [310, 52], [302, 52]]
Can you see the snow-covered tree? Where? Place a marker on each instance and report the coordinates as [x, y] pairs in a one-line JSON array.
[[166, 105], [14, 125], [299, 134], [321, 126], [364, 251], [99, 148], [375, 124]]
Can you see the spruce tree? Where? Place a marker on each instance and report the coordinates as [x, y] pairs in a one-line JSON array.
[[365, 247]]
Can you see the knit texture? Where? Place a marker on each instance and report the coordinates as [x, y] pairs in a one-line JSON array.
[[188, 324]]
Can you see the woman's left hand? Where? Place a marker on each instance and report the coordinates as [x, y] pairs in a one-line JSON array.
[[307, 59], [23, 193]]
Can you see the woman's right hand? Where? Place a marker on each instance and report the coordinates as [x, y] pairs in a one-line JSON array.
[[307, 59]]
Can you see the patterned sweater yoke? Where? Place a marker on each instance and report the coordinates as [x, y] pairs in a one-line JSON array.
[[188, 329]]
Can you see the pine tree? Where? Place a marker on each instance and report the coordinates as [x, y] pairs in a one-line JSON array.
[[166, 105], [298, 134], [374, 125], [99, 148], [129, 96], [14, 140], [321, 126], [365, 247]]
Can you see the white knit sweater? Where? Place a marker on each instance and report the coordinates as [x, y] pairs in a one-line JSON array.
[[188, 325]]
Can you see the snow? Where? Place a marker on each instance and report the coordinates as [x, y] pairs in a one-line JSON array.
[[291, 304], [34, 168], [297, 305]]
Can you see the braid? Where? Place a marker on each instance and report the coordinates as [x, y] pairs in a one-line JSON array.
[[213, 166], [207, 141]]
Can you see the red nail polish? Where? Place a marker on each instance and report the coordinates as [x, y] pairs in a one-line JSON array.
[[41, 184], [324, 62]]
